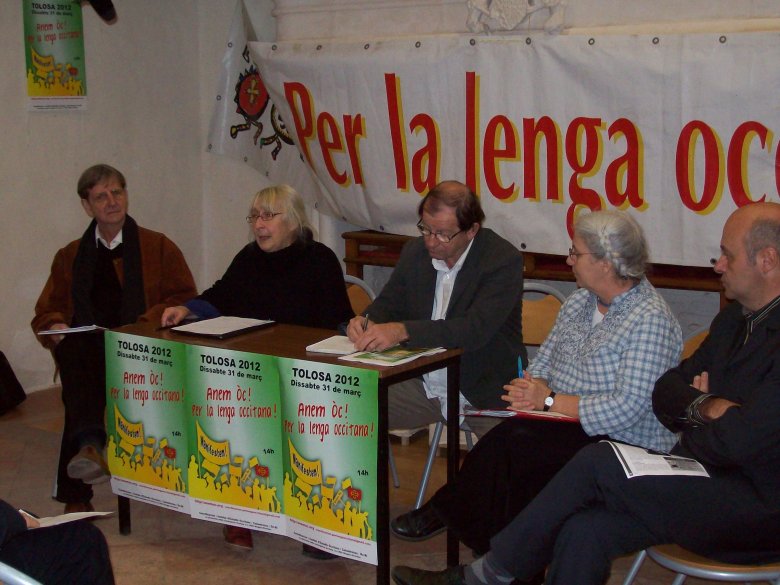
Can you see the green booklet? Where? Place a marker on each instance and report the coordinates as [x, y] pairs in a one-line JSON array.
[[392, 356]]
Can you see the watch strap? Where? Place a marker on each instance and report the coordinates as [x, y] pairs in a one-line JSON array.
[[549, 401]]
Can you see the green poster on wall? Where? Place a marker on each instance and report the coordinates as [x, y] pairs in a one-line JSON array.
[[54, 55], [234, 418], [146, 446]]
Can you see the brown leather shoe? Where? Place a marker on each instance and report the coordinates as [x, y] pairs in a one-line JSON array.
[[409, 576], [237, 538], [72, 507], [89, 466]]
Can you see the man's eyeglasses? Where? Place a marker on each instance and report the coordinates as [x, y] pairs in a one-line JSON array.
[[265, 216], [102, 197], [443, 238], [575, 255]]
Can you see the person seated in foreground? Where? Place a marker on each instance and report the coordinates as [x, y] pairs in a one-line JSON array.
[[282, 275], [75, 552], [458, 285], [117, 273], [724, 403], [612, 339]]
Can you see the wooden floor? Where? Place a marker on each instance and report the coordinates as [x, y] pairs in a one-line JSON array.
[[169, 548]]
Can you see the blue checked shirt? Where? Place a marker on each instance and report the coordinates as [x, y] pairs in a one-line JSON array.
[[614, 364]]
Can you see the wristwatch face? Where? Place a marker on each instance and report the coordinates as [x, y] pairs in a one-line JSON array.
[[548, 402]]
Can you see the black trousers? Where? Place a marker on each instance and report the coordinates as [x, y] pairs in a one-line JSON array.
[[504, 471], [591, 513], [81, 359], [65, 554]]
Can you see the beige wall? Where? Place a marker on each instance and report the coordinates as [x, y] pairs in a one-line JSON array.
[[150, 77]]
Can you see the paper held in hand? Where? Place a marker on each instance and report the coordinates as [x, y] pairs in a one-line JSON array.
[[392, 356], [65, 518], [536, 414], [82, 329], [637, 461]]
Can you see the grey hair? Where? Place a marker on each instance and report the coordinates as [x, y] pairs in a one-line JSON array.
[[764, 233], [287, 200], [615, 236]]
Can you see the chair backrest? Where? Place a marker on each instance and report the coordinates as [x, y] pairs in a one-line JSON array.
[[692, 342], [11, 576], [539, 313], [360, 294]]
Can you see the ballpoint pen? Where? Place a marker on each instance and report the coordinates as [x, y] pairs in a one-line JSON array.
[[365, 321], [519, 366]]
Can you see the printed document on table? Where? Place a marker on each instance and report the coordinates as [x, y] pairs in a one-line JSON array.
[[637, 462], [535, 414], [336, 345], [82, 329], [392, 356], [222, 327]]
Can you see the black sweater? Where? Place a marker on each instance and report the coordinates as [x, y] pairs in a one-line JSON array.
[[301, 284]]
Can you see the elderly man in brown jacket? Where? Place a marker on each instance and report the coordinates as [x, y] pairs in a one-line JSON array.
[[117, 273]]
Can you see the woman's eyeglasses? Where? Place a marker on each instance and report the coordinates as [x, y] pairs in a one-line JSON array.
[[265, 216]]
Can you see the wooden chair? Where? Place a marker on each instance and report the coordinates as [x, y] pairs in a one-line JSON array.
[[693, 341], [688, 564], [539, 314]]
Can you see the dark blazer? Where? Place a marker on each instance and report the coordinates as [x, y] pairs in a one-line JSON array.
[[483, 317], [746, 440]]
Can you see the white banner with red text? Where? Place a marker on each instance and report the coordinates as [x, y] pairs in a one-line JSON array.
[[678, 130]]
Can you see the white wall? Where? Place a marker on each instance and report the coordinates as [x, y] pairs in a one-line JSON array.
[[150, 79]]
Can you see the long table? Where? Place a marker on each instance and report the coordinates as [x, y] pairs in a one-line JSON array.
[[290, 341]]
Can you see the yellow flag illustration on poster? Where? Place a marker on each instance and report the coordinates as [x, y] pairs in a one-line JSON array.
[[143, 459], [214, 476], [324, 502]]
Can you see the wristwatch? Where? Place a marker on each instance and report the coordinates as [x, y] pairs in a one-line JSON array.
[[549, 401]]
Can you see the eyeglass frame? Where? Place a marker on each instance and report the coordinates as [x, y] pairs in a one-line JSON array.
[[265, 216], [575, 255], [426, 232]]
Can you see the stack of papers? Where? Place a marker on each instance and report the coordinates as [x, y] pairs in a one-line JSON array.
[[336, 345], [222, 327]]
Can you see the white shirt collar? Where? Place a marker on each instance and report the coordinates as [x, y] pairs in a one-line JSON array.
[[110, 245]]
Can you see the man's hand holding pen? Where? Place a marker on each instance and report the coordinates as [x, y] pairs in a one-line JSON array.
[[370, 336]]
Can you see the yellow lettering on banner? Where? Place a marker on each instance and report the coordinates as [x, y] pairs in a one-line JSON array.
[[218, 452], [306, 470], [133, 433]]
